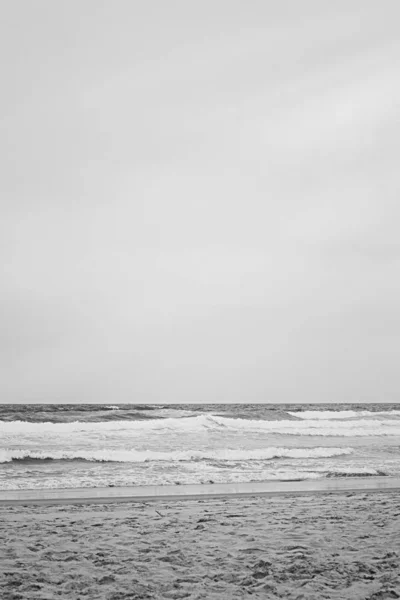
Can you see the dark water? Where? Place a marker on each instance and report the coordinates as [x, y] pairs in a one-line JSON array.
[[66, 413]]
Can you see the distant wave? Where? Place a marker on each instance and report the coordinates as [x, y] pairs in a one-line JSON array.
[[304, 427], [343, 414], [318, 427], [139, 456], [106, 414]]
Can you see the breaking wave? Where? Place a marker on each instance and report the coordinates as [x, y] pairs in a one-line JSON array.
[[140, 456], [306, 426], [343, 414]]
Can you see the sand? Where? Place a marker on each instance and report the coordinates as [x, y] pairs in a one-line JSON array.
[[345, 546]]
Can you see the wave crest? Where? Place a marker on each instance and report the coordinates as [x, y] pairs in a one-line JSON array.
[[303, 427], [343, 414], [140, 456]]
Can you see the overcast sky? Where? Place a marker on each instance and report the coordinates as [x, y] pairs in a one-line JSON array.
[[199, 201]]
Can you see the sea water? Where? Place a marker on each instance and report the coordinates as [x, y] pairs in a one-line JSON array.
[[62, 446]]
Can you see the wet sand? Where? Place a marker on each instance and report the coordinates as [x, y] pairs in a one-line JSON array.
[[153, 493], [344, 545]]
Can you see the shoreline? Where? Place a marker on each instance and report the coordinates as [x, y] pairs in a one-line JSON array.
[[154, 493]]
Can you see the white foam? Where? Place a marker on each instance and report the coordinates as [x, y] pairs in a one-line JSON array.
[[342, 414], [353, 471], [207, 422], [358, 427], [170, 412], [26, 427], [101, 492], [137, 456]]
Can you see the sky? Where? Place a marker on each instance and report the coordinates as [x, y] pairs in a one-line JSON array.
[[199, 201]]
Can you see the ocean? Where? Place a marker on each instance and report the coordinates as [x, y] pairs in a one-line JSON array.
[[88, 445]]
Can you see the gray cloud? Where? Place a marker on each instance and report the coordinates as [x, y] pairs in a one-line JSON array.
[[199, 203]]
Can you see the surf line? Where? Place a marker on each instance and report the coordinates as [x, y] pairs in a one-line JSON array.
[[149, 493]]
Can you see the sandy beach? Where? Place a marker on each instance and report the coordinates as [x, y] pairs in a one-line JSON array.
[[345, 546]]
